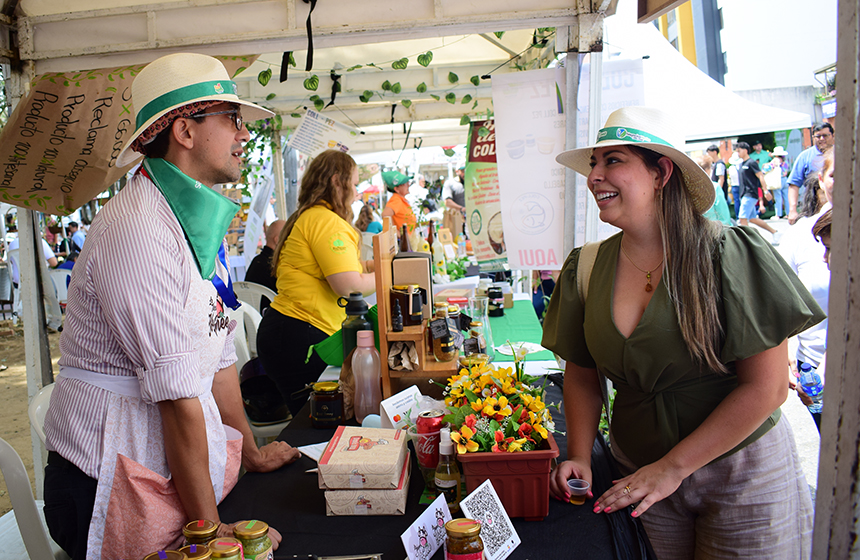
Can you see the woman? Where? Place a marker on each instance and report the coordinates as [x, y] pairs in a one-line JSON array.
[[365, 221], [699, 371], [397, 207], [776, 173], [805, 256], [316, 262]]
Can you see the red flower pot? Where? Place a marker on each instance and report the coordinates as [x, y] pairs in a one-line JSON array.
[[521, 479]]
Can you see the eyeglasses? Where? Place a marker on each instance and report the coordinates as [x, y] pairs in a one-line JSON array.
[[822, 136], [237, 116]]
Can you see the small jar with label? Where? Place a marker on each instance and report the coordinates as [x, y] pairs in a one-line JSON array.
[[476, 331], [326, 405], [464, 540], [443, 347], [166, 555], [199, 531], [254, 536], [225, 548], [196, 552]]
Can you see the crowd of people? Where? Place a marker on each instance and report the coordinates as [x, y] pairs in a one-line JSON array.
[[146, 423]]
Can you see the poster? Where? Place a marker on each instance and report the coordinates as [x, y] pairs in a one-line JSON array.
[[483, 211], [256, 216], [317, 133], [530, 132], [59, 147]]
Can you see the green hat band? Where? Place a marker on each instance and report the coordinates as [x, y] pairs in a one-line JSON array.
[[182, 96], [629, 134]]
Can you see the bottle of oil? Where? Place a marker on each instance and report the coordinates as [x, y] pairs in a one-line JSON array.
[[447, 472]]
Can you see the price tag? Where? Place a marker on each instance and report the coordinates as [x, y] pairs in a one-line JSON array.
[[465, 321], [458, 339], [439, 329], [471, 346]]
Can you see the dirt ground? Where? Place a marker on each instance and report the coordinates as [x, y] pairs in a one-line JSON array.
[[14, 422]]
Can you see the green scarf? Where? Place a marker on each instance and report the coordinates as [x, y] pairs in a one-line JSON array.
[[203, 213]]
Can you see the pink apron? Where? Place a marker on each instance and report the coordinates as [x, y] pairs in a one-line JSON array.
[[137, 508]]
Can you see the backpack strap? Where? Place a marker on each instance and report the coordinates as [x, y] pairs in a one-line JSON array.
[[587, 258]]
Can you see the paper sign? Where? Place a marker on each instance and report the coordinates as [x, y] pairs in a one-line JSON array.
[[256, 216], [426, 535], [395, 409], [498, 533], [317, 133]]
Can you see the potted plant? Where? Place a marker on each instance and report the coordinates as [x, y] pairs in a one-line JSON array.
[[502, 430]]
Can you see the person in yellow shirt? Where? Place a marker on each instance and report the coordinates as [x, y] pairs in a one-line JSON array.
[[398, 207], [316, 261]]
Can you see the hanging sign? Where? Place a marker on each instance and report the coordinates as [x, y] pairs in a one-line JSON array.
[[483, 211], [317, 133]]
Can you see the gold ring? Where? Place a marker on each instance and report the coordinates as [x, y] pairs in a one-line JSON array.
[[626, 489]]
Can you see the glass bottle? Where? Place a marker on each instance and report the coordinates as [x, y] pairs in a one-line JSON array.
[[443, 348], [367, 371], [430, 232], [404, 241], [440, 266], [447, 472]]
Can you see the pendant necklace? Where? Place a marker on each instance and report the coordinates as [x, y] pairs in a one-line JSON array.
[[648, 287]]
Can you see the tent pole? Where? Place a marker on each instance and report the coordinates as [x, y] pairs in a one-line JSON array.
[[278, 176], [571, 70]]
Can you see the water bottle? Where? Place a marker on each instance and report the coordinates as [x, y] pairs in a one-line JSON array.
[[367, 373], [811, 384], [356, 320]]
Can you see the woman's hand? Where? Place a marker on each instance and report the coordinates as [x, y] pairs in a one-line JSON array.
[[648, 485], [226, 530], [271, 457], [572, 468]]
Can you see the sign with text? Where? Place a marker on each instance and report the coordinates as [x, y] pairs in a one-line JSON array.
[[318, 133], [483, 211]]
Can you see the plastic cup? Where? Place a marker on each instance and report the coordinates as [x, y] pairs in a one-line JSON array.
[[578, 489]]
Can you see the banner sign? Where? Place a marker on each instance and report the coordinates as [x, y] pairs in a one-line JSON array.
[[317, 133], [59, 147], [483, 210], [530, 132], [256, 216]]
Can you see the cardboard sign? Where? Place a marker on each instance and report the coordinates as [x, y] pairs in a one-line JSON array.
[[59, 148]]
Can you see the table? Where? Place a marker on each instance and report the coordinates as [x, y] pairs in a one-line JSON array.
[[289, 500]]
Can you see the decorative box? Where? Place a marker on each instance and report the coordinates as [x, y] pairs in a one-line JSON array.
[[359, 458], [371, 501]]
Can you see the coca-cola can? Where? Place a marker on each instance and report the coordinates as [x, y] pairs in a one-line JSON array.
[[427, 443]]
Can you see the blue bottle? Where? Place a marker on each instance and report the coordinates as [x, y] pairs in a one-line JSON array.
[[812, 386]]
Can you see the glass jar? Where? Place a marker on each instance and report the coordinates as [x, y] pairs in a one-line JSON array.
[[326, 405], [254, 536], [225, 548], [464, 540], [196, 552], [476, 331], [443, 348], [166, 555], [200, 531]]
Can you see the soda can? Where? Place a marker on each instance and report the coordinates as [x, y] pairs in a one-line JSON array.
[[428, 425]]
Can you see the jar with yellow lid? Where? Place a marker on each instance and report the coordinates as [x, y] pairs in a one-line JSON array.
[[166, 555], [326, 405], [225, 548], [443, 347], [464, 540], [254, 536], [196, 552], [199, 531]]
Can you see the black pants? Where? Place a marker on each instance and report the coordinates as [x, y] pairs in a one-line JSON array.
[[282, 345], [70, 496]]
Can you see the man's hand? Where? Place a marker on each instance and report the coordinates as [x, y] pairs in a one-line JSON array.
[[804, 398], [270, 457]]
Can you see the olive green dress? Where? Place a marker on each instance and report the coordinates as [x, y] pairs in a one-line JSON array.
[[663, 395]]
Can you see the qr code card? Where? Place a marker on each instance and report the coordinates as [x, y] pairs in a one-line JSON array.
[[498, 533]]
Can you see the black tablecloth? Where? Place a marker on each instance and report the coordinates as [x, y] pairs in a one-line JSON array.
[[290, 500]]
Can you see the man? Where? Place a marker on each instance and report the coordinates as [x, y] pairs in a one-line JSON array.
[[50, 259], [809, 161], [761, 157], [751, 178], [76, 237], [134, 432], [718, 169], [260, 269], [454, 195]]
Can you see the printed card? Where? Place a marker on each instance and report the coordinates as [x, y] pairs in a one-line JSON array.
[[395, 408], [498, 533], [427, 534]]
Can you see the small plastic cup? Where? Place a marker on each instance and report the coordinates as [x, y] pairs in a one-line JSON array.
[[578, 489]]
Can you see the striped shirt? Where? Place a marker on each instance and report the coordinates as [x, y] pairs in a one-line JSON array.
[[125, 317]]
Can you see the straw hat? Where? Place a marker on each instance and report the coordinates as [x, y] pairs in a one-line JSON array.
[[779, 151], [176, 80], [393, 179], [654, 130]]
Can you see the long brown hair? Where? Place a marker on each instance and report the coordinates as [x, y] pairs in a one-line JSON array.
[[327, 180], [689, 241], [365, 216]]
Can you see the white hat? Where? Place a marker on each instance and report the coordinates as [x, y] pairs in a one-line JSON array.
[[651, 129], [779, 151], [176, 80]]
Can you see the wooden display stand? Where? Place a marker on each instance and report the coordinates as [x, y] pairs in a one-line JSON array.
[[384, 249]]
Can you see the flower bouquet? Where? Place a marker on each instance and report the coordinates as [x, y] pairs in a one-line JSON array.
[[502, 430]]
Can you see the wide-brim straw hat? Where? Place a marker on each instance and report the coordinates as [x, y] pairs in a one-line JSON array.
[[779, 151], [652, 129], [176, 80]]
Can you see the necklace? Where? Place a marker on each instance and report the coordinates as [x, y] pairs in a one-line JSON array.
[[648, 287]]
